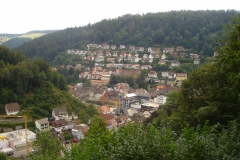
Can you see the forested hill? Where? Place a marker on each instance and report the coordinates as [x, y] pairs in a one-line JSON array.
[[192, 29], [35, 87]]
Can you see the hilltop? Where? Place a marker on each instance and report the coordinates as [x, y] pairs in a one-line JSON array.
[[15, 40]]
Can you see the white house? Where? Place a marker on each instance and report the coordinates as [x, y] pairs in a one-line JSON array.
[[12, 108], [175, 64], [152, 74], [42, 124], [79, 131], [60, 113], [122, 46], [163, 56]]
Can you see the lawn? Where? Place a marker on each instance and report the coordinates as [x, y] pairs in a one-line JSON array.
[[32, 35]]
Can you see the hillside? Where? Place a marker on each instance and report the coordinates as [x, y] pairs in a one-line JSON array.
[[35, 87], [15, 40], [196, 30]]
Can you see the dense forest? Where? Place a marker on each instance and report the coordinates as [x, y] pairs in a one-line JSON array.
[[200, 121], [195, 30], [35, 87]]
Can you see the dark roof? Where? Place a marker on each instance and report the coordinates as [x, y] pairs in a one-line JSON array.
[[12, 106], [59, 122]]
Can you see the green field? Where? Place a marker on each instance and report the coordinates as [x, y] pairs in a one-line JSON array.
[[32, 35]]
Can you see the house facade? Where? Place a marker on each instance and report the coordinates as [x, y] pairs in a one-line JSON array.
[[60, 113], [42, 124]]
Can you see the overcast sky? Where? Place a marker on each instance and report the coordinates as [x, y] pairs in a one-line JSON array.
[[21, 16]]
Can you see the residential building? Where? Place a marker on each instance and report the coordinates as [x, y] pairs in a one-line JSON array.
[[122, 46], [59, 125], [175, 64], [104, 110], [146, 67], [42, 124], [60, 113], [79, 131], [180, 49], [152, 74], [162, 62], [12, 108], [113, 47], [167, 50], [181, 76], [196, 61], [125, 102]]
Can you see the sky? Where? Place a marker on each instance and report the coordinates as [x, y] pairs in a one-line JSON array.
[[21, 16]]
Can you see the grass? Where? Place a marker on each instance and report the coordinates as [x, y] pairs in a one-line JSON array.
[[32, 35]]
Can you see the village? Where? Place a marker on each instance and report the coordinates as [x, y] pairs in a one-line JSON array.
[[119, 104]]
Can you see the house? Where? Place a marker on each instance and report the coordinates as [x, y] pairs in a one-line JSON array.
[[125, 102], [109, 119], [12, 108], [173, 53], [108, 54], [122, 46], [121, 87], [152, 74], [151, 49], [135, 66], [167, 50], [168, 74], [110, 65], [115, 54], [163, 56], [182, 54], [90, 58], [99, 59], [162, 95], [123, 54], [196, 61], [59, 125], [78, 66], [141, 49], [194, 55], [181, 76], [145, 56], [180, 49], [113, 47], [104, 110], [147, 60], [131, 48], [110, 60], [105, 46], [104, 98], [175, 64], [151, 56], [79, 131], [60, 113], [145, 67], [42, 124], [162, 62]]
